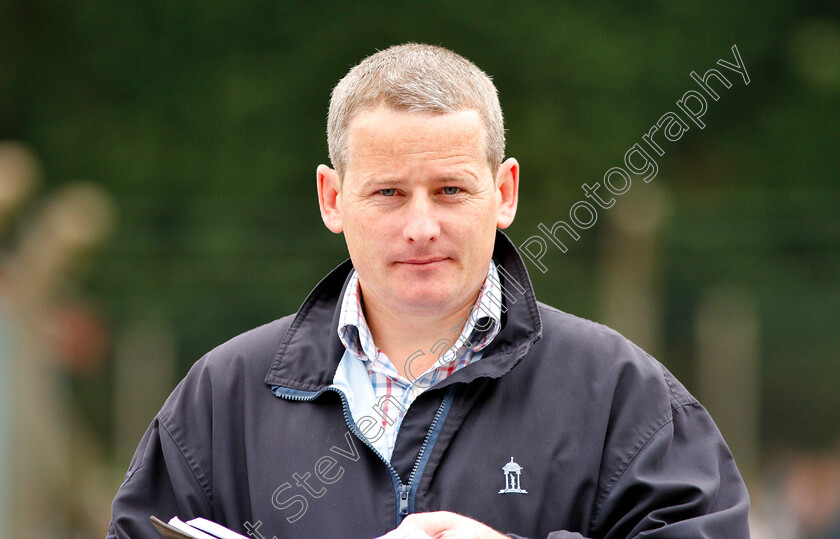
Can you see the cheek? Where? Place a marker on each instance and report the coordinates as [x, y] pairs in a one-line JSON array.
[[475, 220], [475, 237], [366, 236], [484, 210], [359, 223]]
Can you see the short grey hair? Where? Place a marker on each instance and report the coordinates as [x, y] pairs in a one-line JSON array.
[[414, 78]]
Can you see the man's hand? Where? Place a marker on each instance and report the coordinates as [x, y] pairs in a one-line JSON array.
[[444, 525]]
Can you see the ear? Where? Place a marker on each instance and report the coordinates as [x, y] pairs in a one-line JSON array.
[[507, 186], [329, 190]]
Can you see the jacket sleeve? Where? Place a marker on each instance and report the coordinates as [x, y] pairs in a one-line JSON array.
[[681, 483], [166, 478]]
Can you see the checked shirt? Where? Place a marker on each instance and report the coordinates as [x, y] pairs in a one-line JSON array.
[[482, 325]]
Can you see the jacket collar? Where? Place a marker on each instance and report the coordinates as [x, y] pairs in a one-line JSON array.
[[310, 351]]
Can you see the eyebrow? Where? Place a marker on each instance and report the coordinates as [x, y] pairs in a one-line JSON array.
[[379, 183]]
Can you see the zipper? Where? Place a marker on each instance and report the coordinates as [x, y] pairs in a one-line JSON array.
[[405, 493], [402, 510], [433, 431]]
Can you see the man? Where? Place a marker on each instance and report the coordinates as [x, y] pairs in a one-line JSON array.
[[421, 384]]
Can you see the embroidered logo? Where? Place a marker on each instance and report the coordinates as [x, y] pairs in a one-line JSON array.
[[512, 472]]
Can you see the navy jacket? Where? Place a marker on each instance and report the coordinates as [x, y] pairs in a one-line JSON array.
[[564, 429]]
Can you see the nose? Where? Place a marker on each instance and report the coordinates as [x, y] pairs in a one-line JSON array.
[[421, 224]]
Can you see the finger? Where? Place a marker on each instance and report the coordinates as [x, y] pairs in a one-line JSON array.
[[406, 530], [436, 521]]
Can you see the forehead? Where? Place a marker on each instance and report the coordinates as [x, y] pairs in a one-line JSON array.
[[387, 134]]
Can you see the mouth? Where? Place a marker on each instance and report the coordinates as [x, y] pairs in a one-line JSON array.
[[423, 262]]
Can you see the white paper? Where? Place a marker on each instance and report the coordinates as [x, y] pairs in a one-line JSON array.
[[176, 522], [216, 529]]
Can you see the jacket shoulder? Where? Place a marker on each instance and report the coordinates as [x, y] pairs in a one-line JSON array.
[[257, 345], [221, 382], [171, 472], [247, 355], [655, 434], [595, 350]]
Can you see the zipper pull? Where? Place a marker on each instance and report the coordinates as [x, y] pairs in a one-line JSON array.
[[404, 500]]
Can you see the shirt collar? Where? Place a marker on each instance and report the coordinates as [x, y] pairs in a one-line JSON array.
[[477, 331], [352, 326]]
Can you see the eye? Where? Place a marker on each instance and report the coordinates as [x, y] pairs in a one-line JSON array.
[[451, 190], [388, 192]]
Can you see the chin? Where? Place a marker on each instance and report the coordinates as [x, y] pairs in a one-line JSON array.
[[423, 299]]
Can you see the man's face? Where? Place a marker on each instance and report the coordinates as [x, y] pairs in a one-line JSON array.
[[419, 206]]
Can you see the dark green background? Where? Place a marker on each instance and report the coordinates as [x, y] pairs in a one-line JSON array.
[[205, 122]]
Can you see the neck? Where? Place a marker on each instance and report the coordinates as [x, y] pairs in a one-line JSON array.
[[401, 335]]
